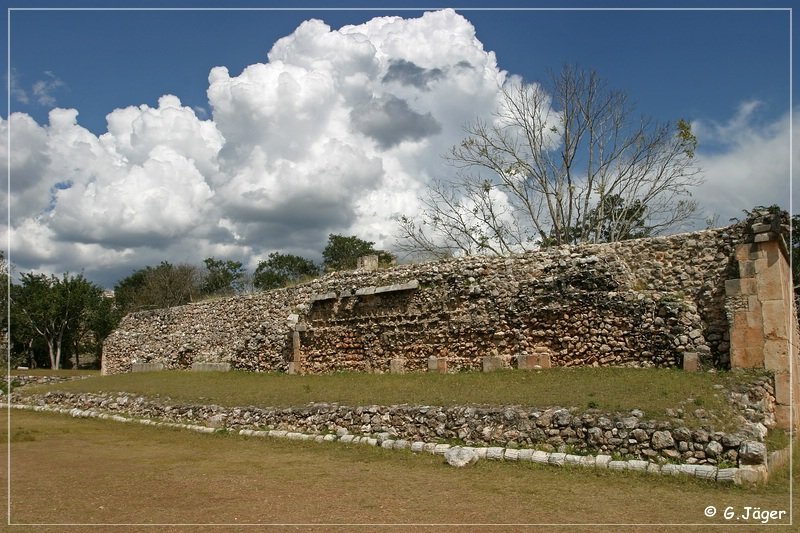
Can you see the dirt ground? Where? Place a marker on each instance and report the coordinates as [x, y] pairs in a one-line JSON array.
[[79, 474]]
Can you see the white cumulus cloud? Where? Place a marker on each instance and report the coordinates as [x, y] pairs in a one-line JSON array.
[[746, 162], [337, 131]]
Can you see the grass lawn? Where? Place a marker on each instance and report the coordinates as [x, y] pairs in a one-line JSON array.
[[48, 372], [608, 389], [91, 471]]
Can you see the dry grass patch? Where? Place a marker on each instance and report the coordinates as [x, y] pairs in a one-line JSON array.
[[99, 472]]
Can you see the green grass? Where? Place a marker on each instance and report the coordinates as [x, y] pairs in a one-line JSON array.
[[608, 389], [48, 372]]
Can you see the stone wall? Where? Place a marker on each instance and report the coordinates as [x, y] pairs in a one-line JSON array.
[[629, 435], [646, 302], [718, 298]]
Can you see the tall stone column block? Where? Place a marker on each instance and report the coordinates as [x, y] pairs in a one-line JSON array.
[[762, 318]]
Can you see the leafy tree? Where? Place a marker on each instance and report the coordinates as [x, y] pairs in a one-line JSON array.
[[561, 163], [602, 219], [342, 253], [129, 292], [222, 277], [281, 269], [163, 286], [54, 308], [99, 320]]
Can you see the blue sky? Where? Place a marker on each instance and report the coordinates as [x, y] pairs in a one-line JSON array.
[[698, 64], [727, 71]]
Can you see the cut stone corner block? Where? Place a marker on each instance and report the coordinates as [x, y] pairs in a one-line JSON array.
[[211, 367], [437, 364], [397, 366], [691, 362], [751, 474], [492, 362], [536, 361], [147, 367]]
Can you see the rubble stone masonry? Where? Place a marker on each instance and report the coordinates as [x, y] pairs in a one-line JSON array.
[[717, 298]]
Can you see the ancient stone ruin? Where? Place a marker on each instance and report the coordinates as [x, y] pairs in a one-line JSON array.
[[719, 298]]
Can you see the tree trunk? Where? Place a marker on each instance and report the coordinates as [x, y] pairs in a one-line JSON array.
[[58, 357], [31, 355], [50, 351]]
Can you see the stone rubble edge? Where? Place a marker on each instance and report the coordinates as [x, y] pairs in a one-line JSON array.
[[734, 475]]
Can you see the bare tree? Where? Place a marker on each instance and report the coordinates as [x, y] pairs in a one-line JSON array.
[[563, 164]]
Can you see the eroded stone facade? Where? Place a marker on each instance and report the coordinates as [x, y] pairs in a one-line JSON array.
[[637, 303], [658, 302]]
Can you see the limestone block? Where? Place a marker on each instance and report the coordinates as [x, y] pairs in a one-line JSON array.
[[495, 453], [557, 459], [367, 262], [527, 362], [511, 454], [706, 472], [635, 464], [525, 454], [752, 453], [727, 475], [601, 461], [761, 228], [365, 291], [670, 469], [618, 465], [211, 367], [322, 297], [775, 315], [661, 440], [783, 387], [397, 366], [492, 363], [653, 468], [539, 456], [544, 360], [776, 354], [735, 287], [751, 474], [147, 367], [296, 353], [772, 285], [460, 457], [783, 418], [441, 449], [481, 452], [691, 362], [437, 364]]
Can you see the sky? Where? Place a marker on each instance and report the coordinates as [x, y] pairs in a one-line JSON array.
[[138, 136]]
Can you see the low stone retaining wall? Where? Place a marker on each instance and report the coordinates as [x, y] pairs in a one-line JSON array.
[[21, 381], [627, 436], [745, 473]]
